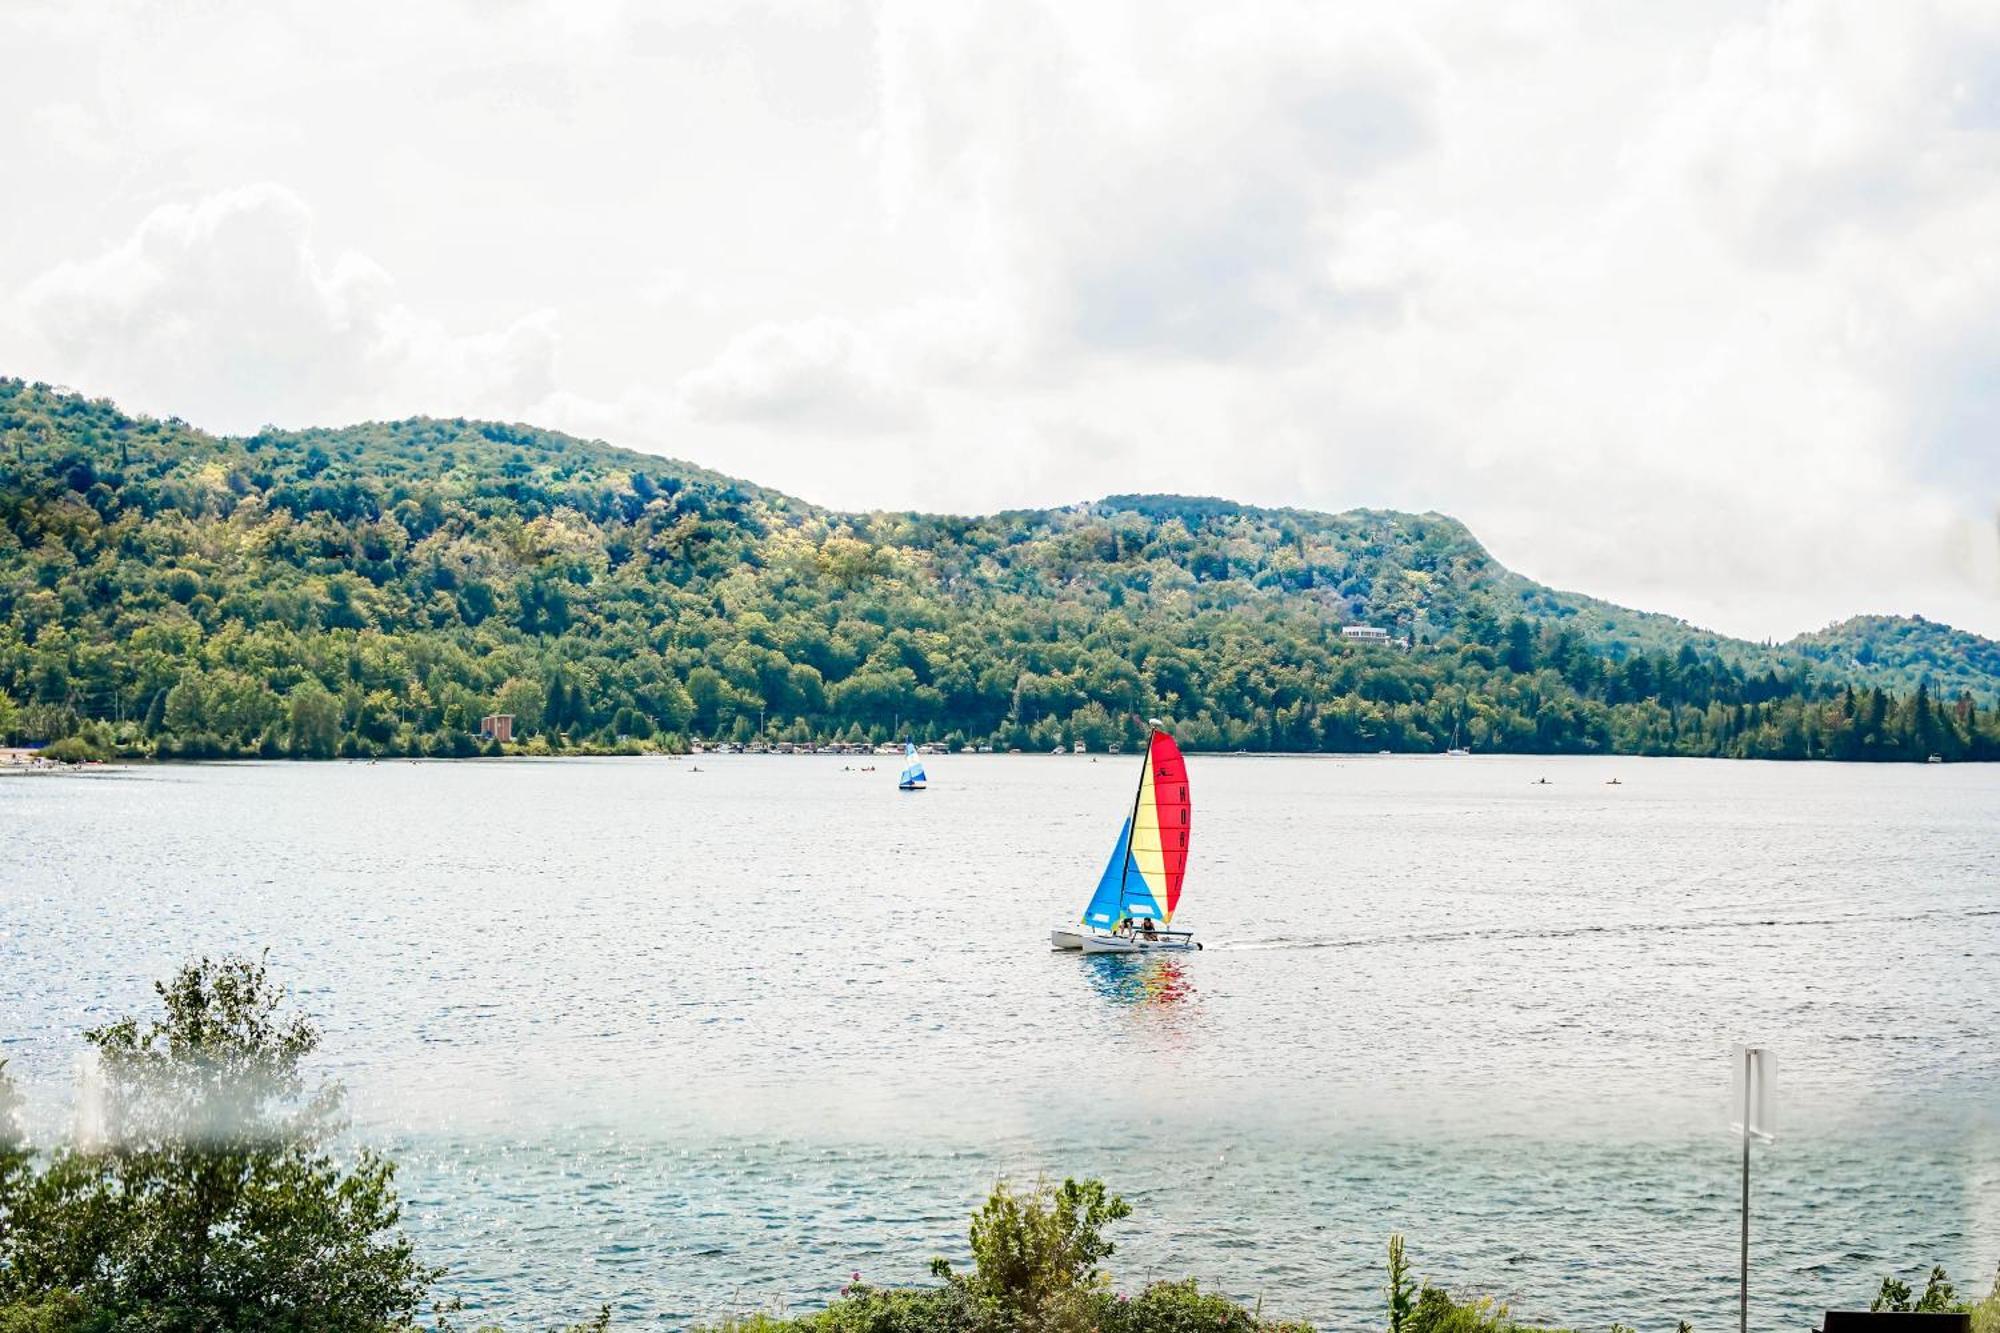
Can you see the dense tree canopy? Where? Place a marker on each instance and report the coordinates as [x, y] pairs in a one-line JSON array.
[[377, 589]]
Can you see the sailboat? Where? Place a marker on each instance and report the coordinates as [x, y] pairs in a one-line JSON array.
[[1455, 751], [912, 777], [1141, 885]]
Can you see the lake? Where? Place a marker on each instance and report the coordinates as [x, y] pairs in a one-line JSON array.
[[690, 1041]]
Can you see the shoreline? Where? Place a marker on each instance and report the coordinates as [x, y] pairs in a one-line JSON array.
[[26, 763]]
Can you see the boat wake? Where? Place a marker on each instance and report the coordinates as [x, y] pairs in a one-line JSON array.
[[1401, 938]]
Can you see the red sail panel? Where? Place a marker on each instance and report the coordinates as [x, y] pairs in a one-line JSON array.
[[1167, 777]]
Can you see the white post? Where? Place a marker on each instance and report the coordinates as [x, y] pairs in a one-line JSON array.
[[1757, 1124], [1743, 1292]]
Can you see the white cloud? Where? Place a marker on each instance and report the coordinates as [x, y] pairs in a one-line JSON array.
[[224, 311], [1639, 321], [1692, 306], [818, 372]]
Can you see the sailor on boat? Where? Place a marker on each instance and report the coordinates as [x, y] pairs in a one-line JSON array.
[[1132, 928]]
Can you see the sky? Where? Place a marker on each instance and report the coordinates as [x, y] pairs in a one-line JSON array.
[[1695, 307]]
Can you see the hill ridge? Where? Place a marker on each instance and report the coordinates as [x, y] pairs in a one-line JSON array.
[[379, 588]]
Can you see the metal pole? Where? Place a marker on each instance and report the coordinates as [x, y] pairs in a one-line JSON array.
[[1132, 824], [1743, 1295]]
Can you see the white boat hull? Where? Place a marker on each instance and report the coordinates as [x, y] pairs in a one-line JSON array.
[[1060, 938], [1123, 944]]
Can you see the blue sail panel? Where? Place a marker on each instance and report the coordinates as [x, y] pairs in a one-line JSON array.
[[1107, 904], [913, 768], [1137, 896]]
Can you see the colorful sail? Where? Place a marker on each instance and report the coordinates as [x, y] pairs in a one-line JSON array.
[[913, 770], [1161, 821], [1149, 861], [1107, 905]]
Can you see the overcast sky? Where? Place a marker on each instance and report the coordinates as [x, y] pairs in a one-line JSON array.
[[1695, 306]]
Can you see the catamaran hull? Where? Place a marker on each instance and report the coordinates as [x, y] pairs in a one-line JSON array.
[[1066, 939], [1119, 944]]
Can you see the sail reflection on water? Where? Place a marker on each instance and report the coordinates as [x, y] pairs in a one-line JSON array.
[[1139, 982]]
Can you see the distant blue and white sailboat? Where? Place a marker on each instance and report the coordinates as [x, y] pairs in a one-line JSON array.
[[912, 778]]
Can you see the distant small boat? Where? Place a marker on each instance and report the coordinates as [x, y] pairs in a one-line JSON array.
[[1935, 759], [1613, 782], [912, 777], [1141, 884], [1454, 751]]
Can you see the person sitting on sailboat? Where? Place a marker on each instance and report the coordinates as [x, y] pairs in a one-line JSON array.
[[1146, 929]]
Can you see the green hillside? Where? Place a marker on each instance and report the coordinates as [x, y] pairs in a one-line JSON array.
[[1903, 652], [377, 589]]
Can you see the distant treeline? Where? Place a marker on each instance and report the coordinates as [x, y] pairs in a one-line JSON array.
[[378, 589]]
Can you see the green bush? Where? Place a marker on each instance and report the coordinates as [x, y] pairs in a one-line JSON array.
[[1035, 1256], [1939, 1297], [1437, 1312], [1182, 1307], [866, 1309], [1422, 1308], [211, 1202], [1986, 1314], [73, 750], [1163, 1307]]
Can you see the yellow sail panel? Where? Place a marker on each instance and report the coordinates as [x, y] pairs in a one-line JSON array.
[[1147, 858]]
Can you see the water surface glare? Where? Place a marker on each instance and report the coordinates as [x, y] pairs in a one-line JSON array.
[[689, 1041]]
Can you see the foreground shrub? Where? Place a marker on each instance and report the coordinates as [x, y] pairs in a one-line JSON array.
[[1164, 1307], [1035, 1256], [207, 1199], [1182, 1307], [1986, 1314], [865, 1309], [1419, 1307], [1939, 1296]]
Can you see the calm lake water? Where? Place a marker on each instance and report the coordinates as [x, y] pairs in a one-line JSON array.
[[693, 1041]]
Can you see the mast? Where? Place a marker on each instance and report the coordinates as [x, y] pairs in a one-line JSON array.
[[1132, 824]]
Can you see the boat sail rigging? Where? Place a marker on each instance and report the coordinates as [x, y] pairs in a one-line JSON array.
[[1142, 880]]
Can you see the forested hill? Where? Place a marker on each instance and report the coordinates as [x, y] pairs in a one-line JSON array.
[[1902, 652], [379, 588]]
